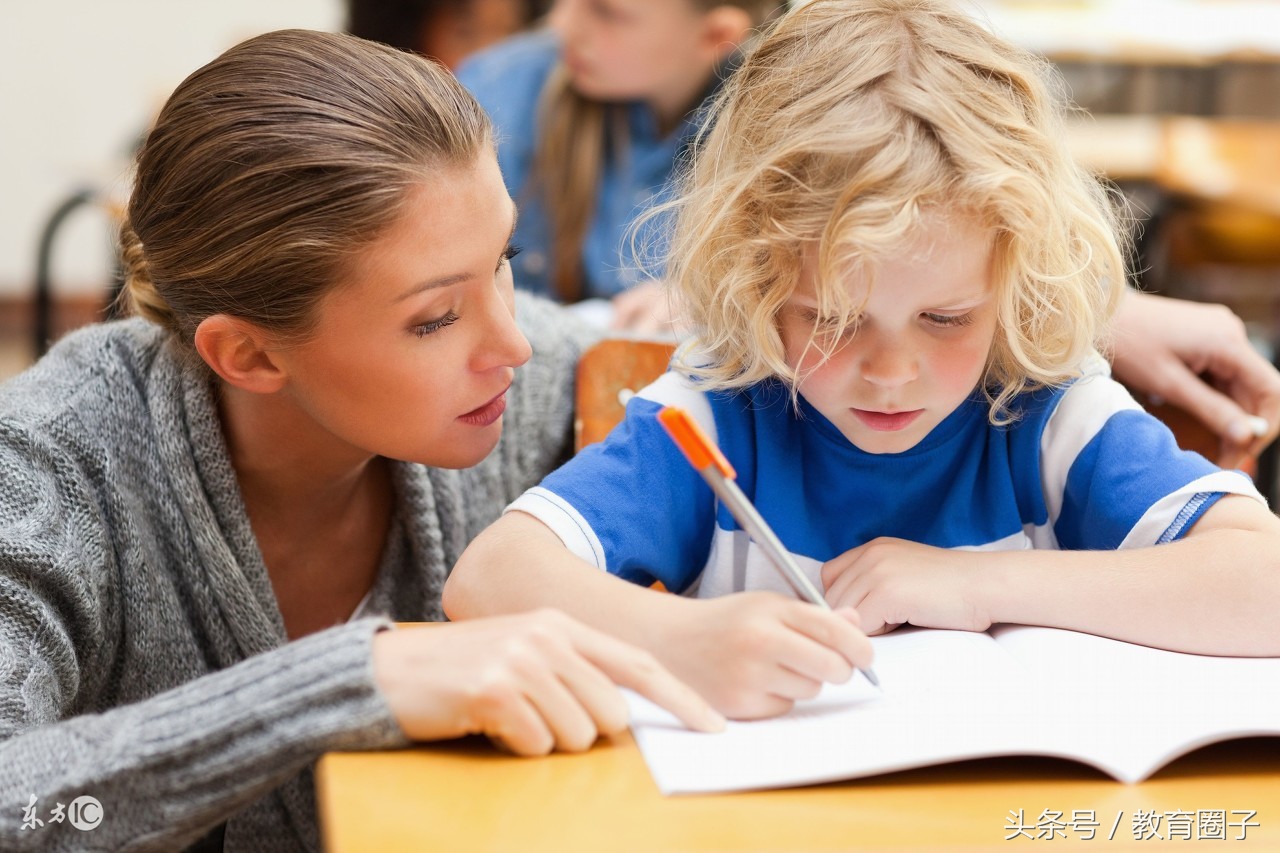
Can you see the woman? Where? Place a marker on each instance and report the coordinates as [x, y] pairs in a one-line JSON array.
[[209, 516]]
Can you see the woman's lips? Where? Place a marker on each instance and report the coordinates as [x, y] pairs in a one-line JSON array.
[[887, 421], [488, 413]]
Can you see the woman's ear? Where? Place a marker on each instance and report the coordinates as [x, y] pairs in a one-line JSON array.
[[725, 29], [238, 352]]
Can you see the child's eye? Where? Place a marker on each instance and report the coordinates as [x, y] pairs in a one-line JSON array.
[[607, 11], [949, 320], [813, 319], [433, 326], [828, 326]]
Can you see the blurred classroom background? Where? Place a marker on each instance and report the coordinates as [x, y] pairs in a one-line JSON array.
[[79, 83], [1180, 106]]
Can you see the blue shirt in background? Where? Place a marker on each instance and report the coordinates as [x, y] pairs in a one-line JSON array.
[[507, 80]]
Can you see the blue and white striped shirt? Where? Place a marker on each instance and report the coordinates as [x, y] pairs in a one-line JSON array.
[[1082, 467]]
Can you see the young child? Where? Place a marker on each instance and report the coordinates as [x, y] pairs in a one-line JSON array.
[[593, 114], [898, 279]]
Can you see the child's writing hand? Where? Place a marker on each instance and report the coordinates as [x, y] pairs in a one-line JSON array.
[[534, 682], [753, 654], [891, 582]]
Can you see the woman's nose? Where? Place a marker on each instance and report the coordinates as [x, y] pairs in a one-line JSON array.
[[503, 344]]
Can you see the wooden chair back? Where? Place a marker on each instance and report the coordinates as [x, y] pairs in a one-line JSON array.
[[609, 372]]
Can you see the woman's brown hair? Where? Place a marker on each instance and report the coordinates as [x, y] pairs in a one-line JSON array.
[[270, 167]]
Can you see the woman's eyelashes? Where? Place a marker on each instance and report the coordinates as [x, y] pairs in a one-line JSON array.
[[432, 326], [507, 254]]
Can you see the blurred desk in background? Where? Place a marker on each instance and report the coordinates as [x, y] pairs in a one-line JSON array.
[[1187, 32], [1192, 57], [1224, 161]]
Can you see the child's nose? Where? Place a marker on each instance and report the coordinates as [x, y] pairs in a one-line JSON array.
[[561, 17], [887, 362]]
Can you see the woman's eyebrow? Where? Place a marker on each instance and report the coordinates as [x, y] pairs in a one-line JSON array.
[[455, 278]]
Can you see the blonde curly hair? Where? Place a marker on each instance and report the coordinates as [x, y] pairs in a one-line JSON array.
[[849, 123]]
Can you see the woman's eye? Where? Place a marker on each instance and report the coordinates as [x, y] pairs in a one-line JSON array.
[[949, 320], [433, 326], [507, 254]]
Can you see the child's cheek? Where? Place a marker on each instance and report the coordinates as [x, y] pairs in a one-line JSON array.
[[960, 366]]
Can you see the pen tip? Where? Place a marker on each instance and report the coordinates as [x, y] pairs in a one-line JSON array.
[[871, 676]]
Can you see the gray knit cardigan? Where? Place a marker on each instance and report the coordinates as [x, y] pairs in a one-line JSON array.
[[143, 658]]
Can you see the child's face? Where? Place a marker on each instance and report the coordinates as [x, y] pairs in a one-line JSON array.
[[621, 50], [415, 348], [456, 30], [920, 348]]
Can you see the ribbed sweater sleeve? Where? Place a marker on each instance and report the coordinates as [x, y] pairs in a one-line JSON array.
[[168, 768]]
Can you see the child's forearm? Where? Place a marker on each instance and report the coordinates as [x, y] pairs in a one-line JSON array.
[[518, 564], [750, 655], [1213, 593]]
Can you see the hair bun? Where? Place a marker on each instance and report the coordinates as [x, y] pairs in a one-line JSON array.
[[140, 295]]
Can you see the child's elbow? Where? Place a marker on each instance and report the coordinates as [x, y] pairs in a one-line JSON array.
[[461, 596], [453, 597]]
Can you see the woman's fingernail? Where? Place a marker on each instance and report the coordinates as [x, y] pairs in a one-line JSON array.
[[1258, 425], [1241, 431]]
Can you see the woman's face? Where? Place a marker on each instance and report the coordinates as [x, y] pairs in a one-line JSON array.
[[414, 351], [622, 50]]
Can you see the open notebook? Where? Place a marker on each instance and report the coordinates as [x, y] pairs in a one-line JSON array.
[[950, 695]]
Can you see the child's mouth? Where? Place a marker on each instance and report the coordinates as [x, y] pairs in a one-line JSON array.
[[887, 421]]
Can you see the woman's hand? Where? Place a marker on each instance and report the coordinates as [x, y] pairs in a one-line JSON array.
[[753, 654], [891, 582], [1163, 346], [534, 682]]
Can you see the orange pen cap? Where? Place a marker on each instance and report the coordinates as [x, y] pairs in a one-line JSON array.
[[693, 442]]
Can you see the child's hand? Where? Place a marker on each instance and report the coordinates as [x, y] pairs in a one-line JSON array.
[[891, 582], [534, 682], [753, 654]]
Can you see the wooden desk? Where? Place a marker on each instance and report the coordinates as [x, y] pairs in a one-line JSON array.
[[1226, 162], [465, 796], [1208, 159], [1187, 32]]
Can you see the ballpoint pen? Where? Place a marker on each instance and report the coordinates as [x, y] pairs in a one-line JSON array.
[[708, 461]]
